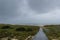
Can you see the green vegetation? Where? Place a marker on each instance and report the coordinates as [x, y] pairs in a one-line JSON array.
[[52, 31], [21, 32]]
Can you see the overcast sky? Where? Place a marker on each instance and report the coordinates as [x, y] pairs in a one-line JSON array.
[[30, 12]]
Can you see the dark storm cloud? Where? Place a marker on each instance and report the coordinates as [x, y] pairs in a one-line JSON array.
[[43, 6], [30, 11], [8, 8]]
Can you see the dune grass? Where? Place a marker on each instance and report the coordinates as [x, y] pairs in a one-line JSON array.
[[20, 31], [52, 31]]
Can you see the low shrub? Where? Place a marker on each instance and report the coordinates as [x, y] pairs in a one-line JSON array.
[[5, 27], [20, 29]]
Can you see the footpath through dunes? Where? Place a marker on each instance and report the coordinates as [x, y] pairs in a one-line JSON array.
[[40, 35]]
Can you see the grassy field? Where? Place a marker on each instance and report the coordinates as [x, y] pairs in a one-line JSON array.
[[21, 32], [52, 31]]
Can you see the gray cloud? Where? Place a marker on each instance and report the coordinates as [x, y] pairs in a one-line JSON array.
[[8, 8], [30, 11], [43, 6]]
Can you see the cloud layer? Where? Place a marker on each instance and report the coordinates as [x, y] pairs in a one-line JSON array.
[[37, 12]]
